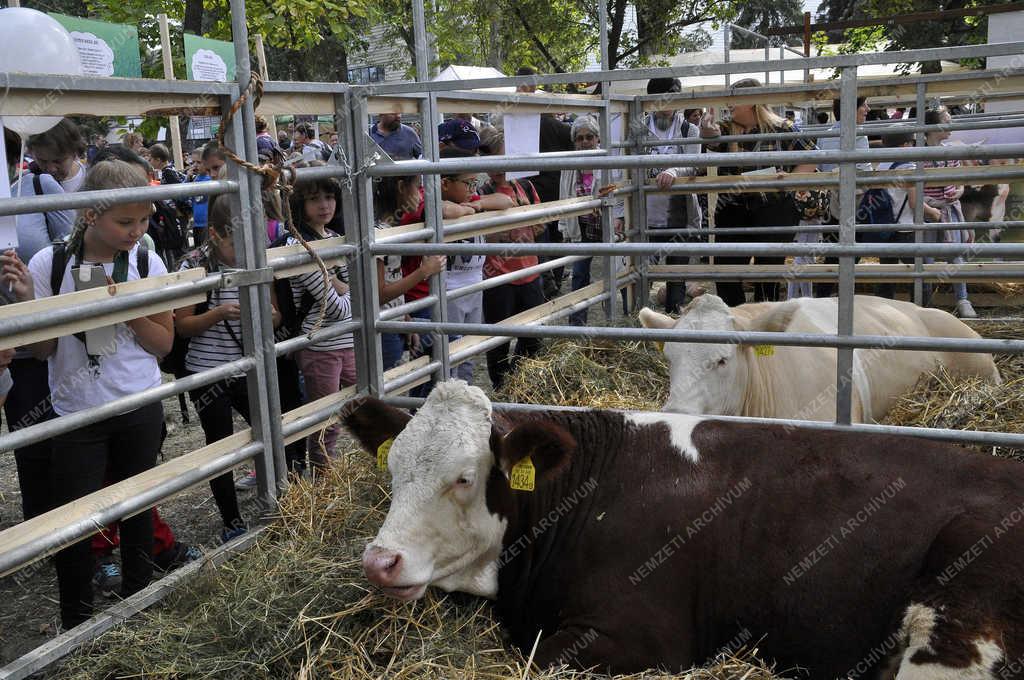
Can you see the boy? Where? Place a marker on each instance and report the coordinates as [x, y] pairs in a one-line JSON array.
[[213, 160]]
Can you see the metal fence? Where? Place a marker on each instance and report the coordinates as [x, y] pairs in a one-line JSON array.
[[356, 166]]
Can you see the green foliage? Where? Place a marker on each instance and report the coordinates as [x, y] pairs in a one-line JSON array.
[[760, 15]]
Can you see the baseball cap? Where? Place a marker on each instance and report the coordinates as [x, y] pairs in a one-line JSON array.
[[459, 133]]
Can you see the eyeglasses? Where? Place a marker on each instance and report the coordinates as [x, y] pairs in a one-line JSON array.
[[585, 138], [471, 184]]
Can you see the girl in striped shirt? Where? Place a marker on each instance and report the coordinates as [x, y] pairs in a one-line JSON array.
[[326, 365], [946, 199]]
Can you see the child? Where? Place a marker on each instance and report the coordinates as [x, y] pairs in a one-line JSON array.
[[396, 197], [124, 445], [215, 338], [213, 160], [329, 364], [508, 299], [947, 200]]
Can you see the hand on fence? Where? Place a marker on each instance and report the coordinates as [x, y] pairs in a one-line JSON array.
[[339, 287], [15, 274], [665, 179], [708, 126], [229, 312], [432, 264]]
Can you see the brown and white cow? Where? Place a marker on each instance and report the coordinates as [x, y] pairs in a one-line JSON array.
[[653, 540]]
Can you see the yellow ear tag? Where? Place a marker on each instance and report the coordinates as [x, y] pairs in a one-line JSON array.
[[764, 350], [660, 345], [523, 476], [382, 454]]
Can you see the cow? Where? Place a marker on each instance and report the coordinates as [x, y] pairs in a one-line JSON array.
[[800, 382], [627, 540]]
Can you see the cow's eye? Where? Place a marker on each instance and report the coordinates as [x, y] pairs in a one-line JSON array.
[[464, 481]]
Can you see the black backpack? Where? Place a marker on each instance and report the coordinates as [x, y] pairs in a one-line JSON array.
[[291, 315], [168, 228], [876, 207]]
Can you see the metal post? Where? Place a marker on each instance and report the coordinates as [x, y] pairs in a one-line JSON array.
[[172, 121], [919, 236], [352, 120], [782, 71], [604, 122], [432, 185], [767, 58], [726, 39], [847, 235], [639, 202], [251, 253]]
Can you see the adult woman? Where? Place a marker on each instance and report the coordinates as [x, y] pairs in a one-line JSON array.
[[753, 209], [582, 228]]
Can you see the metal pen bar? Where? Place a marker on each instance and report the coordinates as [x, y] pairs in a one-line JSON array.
[[954, 273], [102, 516], [861, 228], [89, 199], [501, 279], [704, 249], [326, 253], [604, 176], [455, 166], [411, 377], [919, 236], [877, 342], [408, 308], [328, 332], [48, 429], [847, 235], [869, 59]]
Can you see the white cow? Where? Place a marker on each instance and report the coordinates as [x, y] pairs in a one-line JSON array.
[[800, 382]]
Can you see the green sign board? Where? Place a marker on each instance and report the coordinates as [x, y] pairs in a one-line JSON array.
[[207, 59], [105, 49]]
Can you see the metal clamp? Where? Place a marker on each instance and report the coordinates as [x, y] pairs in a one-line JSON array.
[[236, 278]]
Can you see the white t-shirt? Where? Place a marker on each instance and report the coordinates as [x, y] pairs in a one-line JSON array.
[[465, 270], [658, 204], [74, 384], [392, 272]]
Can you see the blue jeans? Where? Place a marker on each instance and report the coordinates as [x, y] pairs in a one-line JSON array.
[[391, 346], [580, 279]]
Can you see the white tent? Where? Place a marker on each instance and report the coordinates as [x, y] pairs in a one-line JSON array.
[[460, 72]]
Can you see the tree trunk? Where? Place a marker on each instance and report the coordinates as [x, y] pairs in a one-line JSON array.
[[193, 20]]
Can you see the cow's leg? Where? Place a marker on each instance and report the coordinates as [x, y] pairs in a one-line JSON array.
[[946, 642]]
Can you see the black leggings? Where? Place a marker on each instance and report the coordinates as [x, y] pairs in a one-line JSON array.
[[84, 461], [750, 210], [500, 303], [213, 403], [28, 403]]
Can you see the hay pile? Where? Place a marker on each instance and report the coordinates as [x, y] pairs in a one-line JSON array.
[[296, 605], [591, 372]]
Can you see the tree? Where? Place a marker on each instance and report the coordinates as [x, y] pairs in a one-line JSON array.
[[762, 15]]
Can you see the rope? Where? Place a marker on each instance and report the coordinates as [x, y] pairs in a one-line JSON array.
[[274, 176]]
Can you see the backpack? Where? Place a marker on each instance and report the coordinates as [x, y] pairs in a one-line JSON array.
[[168, 229], [876, 207], [291, 315]]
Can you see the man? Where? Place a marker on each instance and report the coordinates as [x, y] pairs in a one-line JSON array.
[[264, 142], [825, 289], [304, 142], [458, 133], [395, 138], [665, 211], [554, 136]]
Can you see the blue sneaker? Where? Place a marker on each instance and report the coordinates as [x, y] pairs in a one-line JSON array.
[[227, 534], [106, 580]]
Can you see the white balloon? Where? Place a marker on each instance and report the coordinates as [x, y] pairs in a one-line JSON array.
[[33, 42]]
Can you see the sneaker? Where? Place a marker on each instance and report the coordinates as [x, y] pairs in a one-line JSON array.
[[227, 534], [106, 580], [965, 310], [177, 555], [247, 482]]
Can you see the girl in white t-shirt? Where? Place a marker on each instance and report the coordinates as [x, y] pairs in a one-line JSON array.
[[124, 445]]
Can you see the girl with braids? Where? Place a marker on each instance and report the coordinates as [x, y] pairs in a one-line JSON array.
[[124, 445]]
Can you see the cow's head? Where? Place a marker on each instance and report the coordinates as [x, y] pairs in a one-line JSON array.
[[711, 379], [449, 468]]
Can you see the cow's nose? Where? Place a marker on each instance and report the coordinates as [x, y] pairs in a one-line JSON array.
[[381, 566]]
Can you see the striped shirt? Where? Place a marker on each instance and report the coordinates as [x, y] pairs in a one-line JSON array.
[[221, 342], [939, 192], [338, 308]]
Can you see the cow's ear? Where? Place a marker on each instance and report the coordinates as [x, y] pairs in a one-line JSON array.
[[373, 422], [549, 446], [652, 319], [776, 320]]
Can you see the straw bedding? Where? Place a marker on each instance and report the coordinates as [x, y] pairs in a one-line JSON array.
[[296, 605]]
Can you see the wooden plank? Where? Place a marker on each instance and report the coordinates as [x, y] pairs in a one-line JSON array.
[[33, 103], [86, 507], [297, 249], [296, 103], [778, 271], [339, 397], [48, 304]]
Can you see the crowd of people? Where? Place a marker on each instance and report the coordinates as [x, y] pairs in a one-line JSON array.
[[59, 250]]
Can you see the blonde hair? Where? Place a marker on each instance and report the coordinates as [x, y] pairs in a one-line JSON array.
[[109, 174], [767, 120]]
